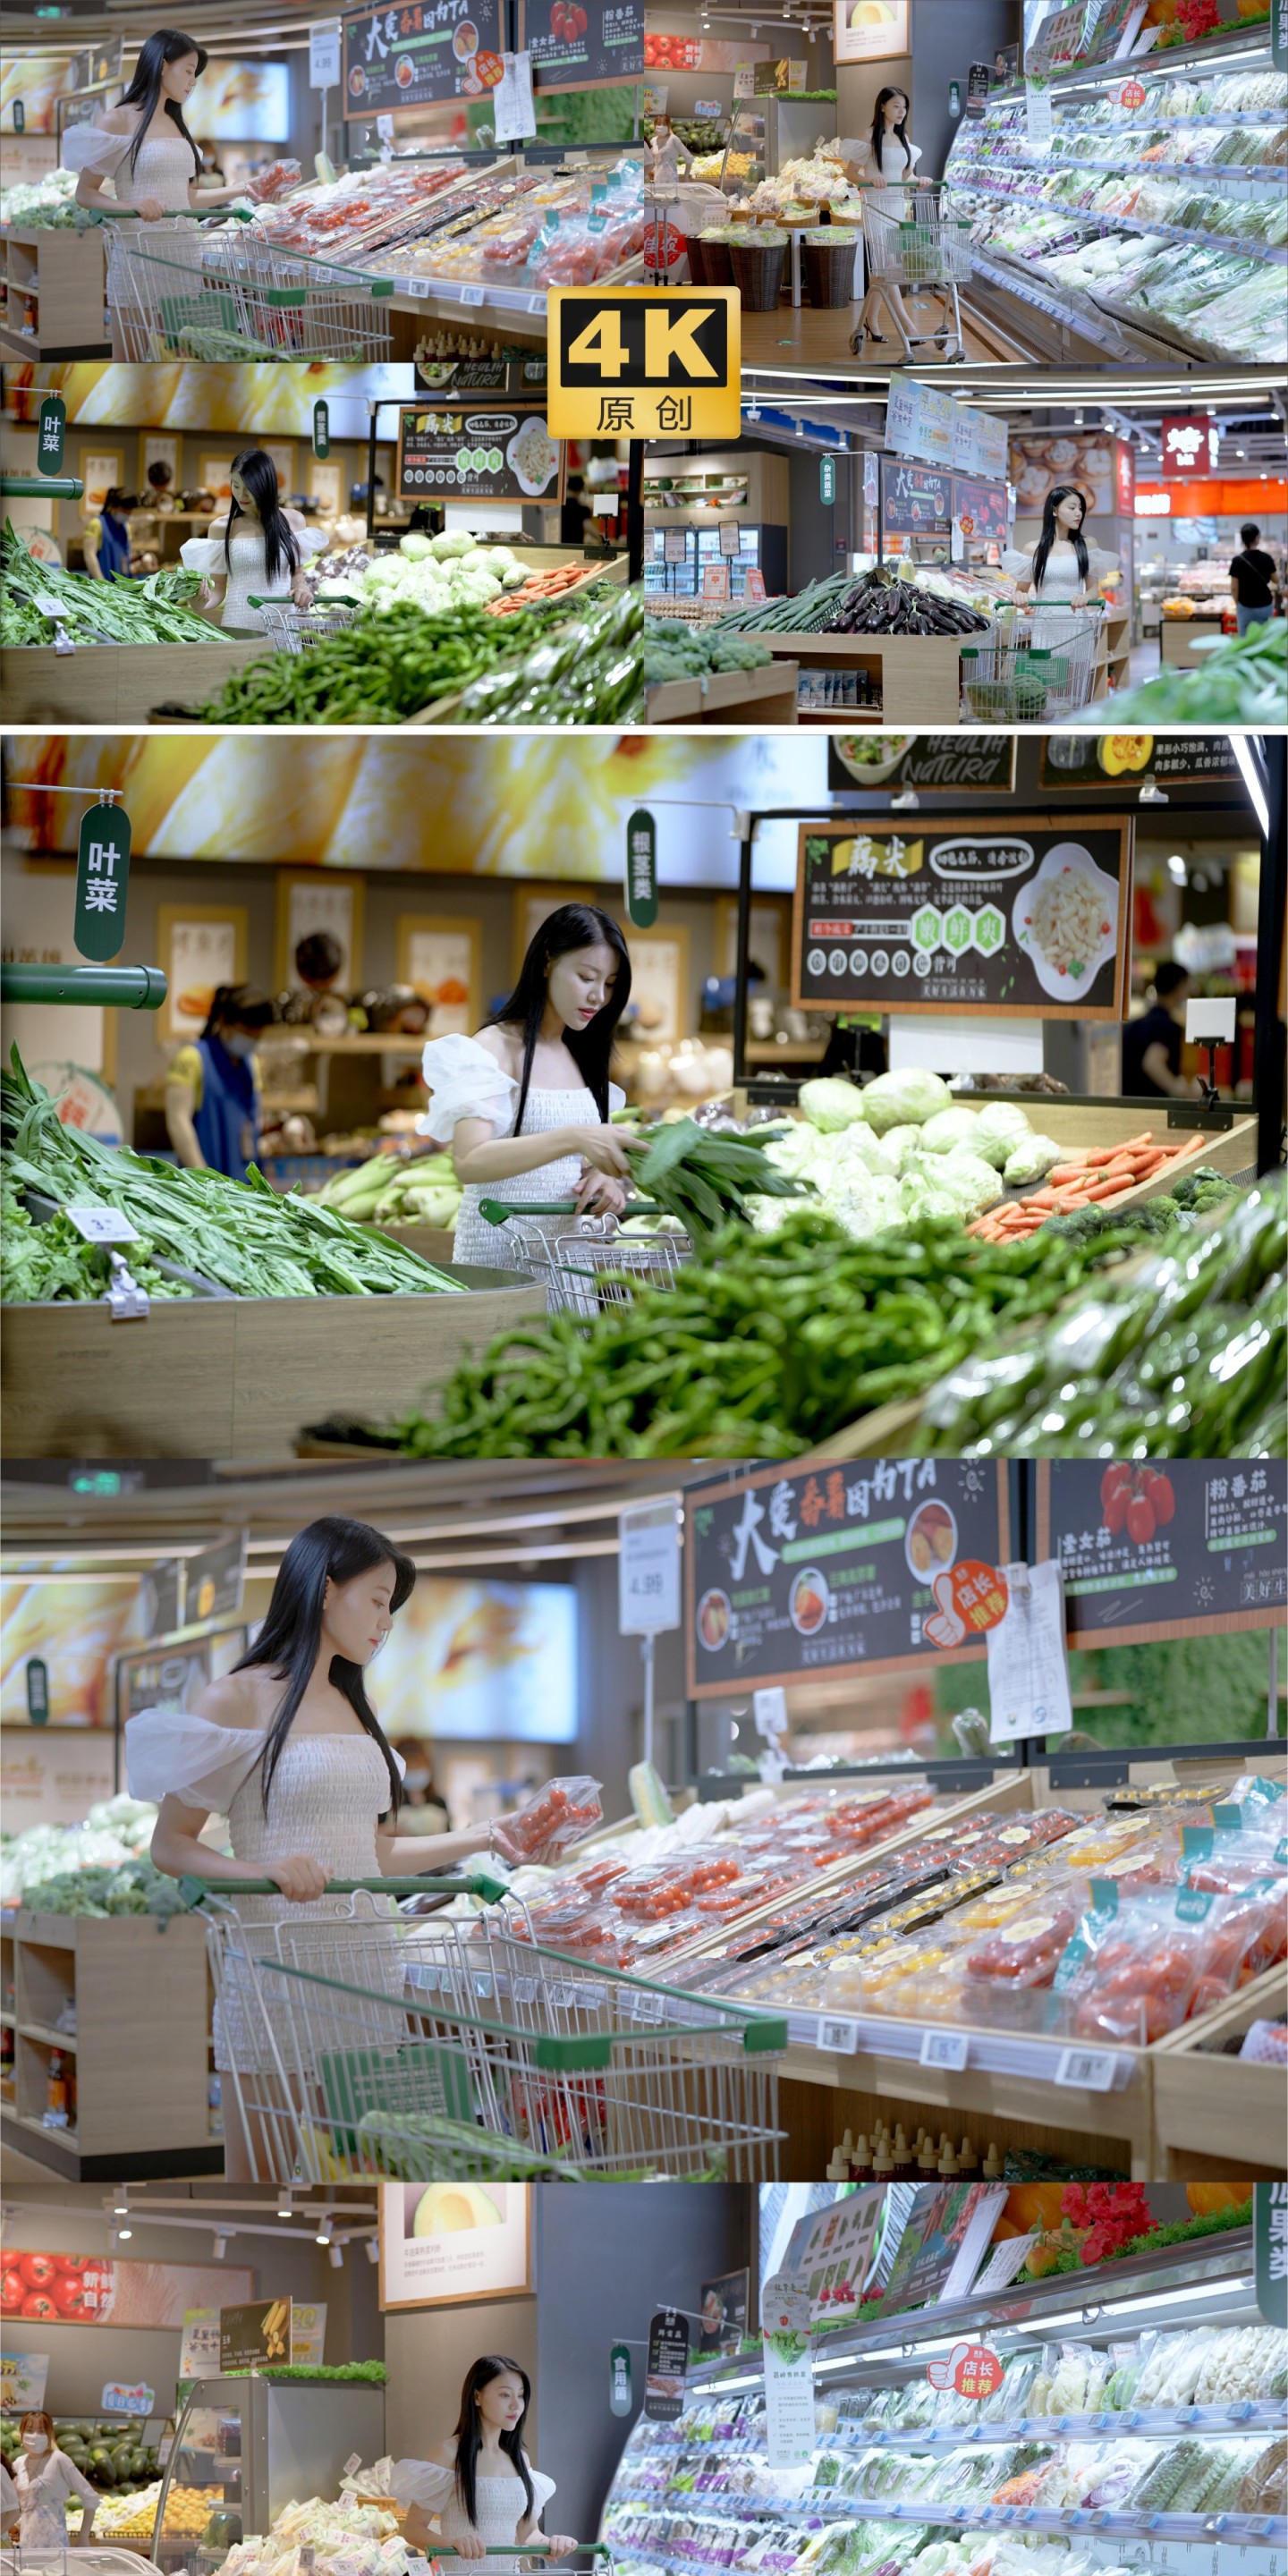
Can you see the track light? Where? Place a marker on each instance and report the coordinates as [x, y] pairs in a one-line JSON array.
[[220, 2248], [285, 2203], [324, 2234], [121, 2199], [335, 2257], [373, 2249]]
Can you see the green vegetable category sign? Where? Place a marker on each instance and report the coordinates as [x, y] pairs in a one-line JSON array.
[[102, 882], [641, 869], [1029, 921], [50, 434]]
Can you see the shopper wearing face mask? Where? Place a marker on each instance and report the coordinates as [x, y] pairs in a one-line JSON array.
[[423, 1811], [45, 2478], [212, 1087]]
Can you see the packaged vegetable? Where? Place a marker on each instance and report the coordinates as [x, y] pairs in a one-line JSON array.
[[566, 1811]]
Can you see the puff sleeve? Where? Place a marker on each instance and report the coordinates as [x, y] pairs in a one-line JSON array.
[[422, 2482], [89, 147], [465, 1082], [170, 1754]]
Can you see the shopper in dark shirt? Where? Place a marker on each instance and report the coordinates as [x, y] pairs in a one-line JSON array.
[[574, 513], [1152, 1044], [1252, 581]]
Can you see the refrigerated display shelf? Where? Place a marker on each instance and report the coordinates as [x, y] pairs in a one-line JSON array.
[[1148, 2423], [1104, 224]]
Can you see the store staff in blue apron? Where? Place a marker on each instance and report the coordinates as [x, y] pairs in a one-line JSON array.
[[106, 542], [212, 1087]]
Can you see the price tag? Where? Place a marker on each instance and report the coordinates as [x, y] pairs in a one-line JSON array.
[[1091, 2069], [947, 2048], [730, 537], [416, 286], [1028, 1667], [524, 1990], [838, 2035], [675, 545], [353, 2462], [536, 303], [562, 1996], [385, 128], [103, 1225], [47, 606], [472, 295]]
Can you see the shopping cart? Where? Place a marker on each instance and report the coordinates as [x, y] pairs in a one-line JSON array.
[[432, 2046], [1035, 666], [183, 288], [292, 630], [594, 1264], [911, 242]]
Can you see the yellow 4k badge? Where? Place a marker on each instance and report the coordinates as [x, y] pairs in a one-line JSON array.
[[644, 362]]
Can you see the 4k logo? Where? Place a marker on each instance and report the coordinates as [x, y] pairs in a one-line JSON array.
[[645, 362]]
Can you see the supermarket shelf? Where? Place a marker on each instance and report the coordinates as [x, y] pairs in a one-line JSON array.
[[1231, 2528], [1248, 2415], [1104, 221], [46, 2034]]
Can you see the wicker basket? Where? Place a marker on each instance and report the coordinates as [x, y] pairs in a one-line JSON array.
[[758, 273], [829, 270], [709, 262]]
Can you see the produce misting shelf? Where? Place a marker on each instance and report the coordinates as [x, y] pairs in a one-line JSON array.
[[142, 2079]]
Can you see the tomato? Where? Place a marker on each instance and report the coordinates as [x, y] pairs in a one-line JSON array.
[[70, 2298], [38, 2270], [1116, 1510], [1114, 1479], [40, 2308], [1140, 1519], [1161, 1495], [13, 2289]]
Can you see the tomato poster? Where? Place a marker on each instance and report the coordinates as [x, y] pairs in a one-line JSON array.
[[95, 2290], [1187, 1549], [835, 1570], [583, 44]]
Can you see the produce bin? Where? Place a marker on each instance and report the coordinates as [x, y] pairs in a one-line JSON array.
[[1184, 643], [758, 268], [142, 2071], [918, 676], [116, 683], [60, 272], [1213, 2113], [236, 1377], [714, 697]]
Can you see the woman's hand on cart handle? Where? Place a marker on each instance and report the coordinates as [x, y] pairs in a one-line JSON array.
[[471, 2546], [598, 1196], [300, 1877], [151, 210], [559, 2544]]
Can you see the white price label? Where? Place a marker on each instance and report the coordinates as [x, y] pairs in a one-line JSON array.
[[562, 1996], [46, 606], [524, 1990], [839, 2036], [385, 128], [648, 1567], [730, 537], [536, 303], [675, 545], [948, 2048], [769, 1708], [472, 295], [353, 2462], [416, 286], [1091, 2069], [103, 1225], [324, 55]]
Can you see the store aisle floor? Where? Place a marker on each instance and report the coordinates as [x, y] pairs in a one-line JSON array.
[[819, 342]]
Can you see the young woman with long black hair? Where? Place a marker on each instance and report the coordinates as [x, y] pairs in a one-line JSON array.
[[479, 2485], [256, 552], [144, 147], [526, 1105], [289, 1749], [1058, 580], [888, 161]]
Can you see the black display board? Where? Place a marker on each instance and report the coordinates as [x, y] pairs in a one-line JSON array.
[[829, 1570], [457, 451], [981, 507], [1074, 761], [668, 2363], [412, 56], [943, 763], [957, 916], [916, 500], [583, 44], [1190, 1547]]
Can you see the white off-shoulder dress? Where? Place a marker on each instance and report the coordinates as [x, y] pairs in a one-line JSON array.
[[466, 1082], [243, 566], [328, 1794], [165, 170], [501, 2507]]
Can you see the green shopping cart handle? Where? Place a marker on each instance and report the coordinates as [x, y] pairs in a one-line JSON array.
[[321, 599], [531, 2549], [479, 1883], [115, 214], [496, 1211]]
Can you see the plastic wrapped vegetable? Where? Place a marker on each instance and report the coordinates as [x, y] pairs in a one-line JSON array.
[[1264, 2485], [566, 1810]]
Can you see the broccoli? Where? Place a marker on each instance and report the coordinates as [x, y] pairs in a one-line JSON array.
[[737, 653], [1077, 1225], [1203, 1188]]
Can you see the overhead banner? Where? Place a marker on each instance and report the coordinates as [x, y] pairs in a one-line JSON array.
[[97, 2290], [582, 44], [1074, 761], [1029, 922], [832, 1571], [442, 2242], [1189, 1548]]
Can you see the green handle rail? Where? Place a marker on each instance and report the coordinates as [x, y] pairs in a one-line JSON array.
[[528, 2549], [480, 1883], [41, 487], [115, 214], [496, 1211], [110, 988]]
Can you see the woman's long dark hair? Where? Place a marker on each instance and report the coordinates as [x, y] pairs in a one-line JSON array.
[[1061, 492], [259, 474], [879, 126], [164, 45], [574, 925], [238, 1006], [332, 1549], [468, 2436]]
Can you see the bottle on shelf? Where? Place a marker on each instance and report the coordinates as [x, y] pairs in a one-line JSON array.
[[57, 2102]]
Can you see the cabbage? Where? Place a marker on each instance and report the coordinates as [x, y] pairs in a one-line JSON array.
[[416, 546], [452, 542], [970, 1182], [1030, 1160], [860, 1149], [900, 1143], [865, 1203], [921, 1193], [830, 1104], [1000, 1123], [948, 1129], [799, 1153], [895, 1099]]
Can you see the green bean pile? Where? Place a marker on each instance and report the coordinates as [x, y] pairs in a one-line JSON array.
[[770, 1344], [150, 611]]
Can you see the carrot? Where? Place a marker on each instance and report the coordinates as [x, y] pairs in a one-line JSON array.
[[1063, 1173], [1045, 1199], [1108, 1190]]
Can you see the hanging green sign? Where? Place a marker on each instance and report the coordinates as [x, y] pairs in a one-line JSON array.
[[641, 869], [37, 1678], [1270, 2250], [1279, 34], [954, 98], [619, 2379], [321, 431], [827, 478], [50, 434], [19, 117], [102, 882]]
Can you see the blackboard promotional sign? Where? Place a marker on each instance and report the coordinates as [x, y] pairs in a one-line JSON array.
[[457, 452], [1074, 761], [942, 763], [981, 507], [916, 501], [830, 1570], [409, 57], [1190, 1548], [668, 2365], [1024, 921], [581, 44]]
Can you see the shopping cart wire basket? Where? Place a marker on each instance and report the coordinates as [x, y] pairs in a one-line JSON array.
[[923, 246], [291, 630], [1031, 668], [594, 1264], [438, 2045], [226, 293]]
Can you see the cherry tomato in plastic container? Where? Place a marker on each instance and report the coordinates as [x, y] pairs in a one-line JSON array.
[[566, 1811]]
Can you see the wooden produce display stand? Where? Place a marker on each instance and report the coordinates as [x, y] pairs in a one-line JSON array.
[[116, 683], [918, 676], [139, 1986], [1214, 2113], [1185, 642], [236, 1377], [768, 696], [61, 273]]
